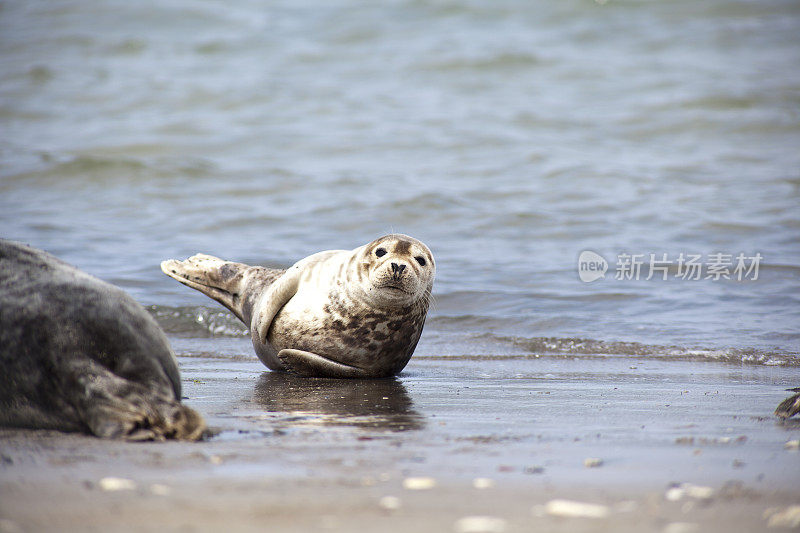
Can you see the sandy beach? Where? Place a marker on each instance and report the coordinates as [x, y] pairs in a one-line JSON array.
[[475, 444]]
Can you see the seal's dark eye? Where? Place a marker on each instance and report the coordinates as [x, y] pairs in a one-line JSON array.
[[420, 260], [380, 252]]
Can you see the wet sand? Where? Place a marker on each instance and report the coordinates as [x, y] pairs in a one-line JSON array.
[[659, 445]]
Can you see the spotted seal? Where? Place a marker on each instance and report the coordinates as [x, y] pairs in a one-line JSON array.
[[337, 313], [78, 354]]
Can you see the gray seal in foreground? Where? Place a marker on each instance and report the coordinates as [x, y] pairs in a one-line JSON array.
[[339, 313], [78, 354]]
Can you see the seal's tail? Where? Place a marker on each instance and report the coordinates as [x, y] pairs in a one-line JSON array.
[[234, 285], [214, 277]]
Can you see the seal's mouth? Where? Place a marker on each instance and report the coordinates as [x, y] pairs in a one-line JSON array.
[[395, 288]]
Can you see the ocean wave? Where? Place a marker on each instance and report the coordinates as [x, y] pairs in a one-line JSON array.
[[504, 60], [197, 321], [204, 322], [589, 347]]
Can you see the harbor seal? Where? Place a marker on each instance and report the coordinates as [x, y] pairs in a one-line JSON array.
[[78, 354], [337, 313]]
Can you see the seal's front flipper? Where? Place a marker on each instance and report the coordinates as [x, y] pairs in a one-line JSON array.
[[309, 364], [270, 303], [282, 289]]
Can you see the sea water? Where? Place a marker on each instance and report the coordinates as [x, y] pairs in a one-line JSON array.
[[513, 137]]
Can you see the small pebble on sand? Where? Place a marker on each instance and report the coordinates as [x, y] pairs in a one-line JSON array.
[[480, 524], [117, 483], [784, 518], [698, 492], [160, 490], [390, 503], [419, 483], [568, 508], [674, 494], [592, 462], [681, 527], [482, 483]]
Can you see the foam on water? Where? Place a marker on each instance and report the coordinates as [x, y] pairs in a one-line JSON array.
[[211, 323]]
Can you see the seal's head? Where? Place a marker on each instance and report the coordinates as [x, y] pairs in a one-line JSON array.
[[400, 270]]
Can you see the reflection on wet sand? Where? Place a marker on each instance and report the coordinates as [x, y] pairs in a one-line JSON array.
[[363, 403]]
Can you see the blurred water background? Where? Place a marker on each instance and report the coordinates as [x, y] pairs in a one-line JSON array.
[[508, 135]]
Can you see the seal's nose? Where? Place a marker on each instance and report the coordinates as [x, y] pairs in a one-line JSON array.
[[397, 270]]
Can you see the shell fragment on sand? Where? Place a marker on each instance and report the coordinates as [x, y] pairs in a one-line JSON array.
[[159, 489], [678, 492], [592, 462], [390, 503], [783, 518], [419, 483], [681, 527], [480, 524], [573, 509], [117, 483], [482, 483]]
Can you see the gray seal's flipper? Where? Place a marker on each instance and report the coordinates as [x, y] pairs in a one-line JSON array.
[[312, 365], [113, 407]]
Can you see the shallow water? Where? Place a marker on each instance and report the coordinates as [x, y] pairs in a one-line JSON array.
[[509, 136], [516, 418]]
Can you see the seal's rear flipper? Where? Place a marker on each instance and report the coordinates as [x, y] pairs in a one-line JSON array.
[[312, 365], [790, 406], [214, 277], [117, 408]]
